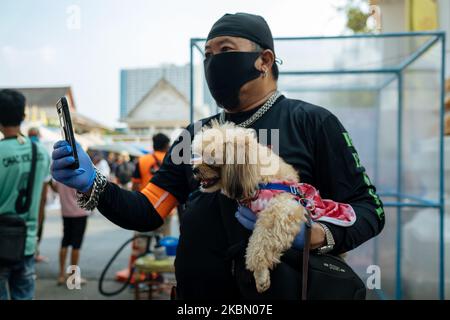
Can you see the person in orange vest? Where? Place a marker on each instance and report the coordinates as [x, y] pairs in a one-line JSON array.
[[147, 165]]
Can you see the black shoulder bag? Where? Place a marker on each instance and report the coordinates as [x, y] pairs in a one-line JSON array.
[[13, 229], [328, 277], [300, 274]]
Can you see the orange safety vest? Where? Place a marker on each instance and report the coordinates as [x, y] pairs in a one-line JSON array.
[[147, 165]]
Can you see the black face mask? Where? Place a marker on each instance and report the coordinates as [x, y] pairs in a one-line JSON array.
[[227, 72]]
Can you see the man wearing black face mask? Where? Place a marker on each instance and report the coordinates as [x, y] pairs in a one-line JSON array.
[[242, 76]]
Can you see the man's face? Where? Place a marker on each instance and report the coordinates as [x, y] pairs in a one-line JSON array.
[[227, 44]]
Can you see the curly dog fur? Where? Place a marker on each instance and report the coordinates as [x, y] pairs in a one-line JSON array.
[[230, 159]]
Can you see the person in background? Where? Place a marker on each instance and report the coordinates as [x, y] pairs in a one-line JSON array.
[[74, 227], [148, 164], [17, 279], [101, 164], [112, 162], [35, 136], [124, 170]]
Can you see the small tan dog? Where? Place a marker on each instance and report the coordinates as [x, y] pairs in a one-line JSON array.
[[230, 159]]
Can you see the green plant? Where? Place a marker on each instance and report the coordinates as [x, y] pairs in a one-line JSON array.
[[357, 13], [357, 20]]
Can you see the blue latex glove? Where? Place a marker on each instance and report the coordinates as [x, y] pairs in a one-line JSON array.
[[80, 179], [247, 218]]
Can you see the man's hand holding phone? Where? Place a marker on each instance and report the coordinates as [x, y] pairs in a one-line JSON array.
[[71, 165], [80, 179]]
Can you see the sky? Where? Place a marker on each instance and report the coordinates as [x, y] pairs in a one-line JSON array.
[[86, 43]]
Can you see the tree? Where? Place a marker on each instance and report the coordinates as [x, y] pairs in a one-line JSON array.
[[357, 13]]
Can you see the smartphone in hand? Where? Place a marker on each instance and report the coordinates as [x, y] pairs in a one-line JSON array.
[[62, 107]]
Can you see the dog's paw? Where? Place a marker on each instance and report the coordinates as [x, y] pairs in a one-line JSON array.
[[262, 278]]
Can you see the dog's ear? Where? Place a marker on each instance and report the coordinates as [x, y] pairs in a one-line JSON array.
[[239, 181], [240, 174]]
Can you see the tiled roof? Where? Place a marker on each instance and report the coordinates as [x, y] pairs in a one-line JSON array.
[[136, 83], [47, 96]]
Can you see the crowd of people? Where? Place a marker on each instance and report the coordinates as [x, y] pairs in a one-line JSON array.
[[17, 269]]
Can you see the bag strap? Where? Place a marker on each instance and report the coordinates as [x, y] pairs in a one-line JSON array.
[[157, 162], [31, 176], [306, 249], [22, 208]]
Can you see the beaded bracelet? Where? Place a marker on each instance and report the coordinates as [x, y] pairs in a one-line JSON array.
[[90, 202]]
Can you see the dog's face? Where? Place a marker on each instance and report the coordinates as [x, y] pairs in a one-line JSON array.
[[209, 175], [224, 159]]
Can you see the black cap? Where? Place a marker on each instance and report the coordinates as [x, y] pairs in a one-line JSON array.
[[244, 25]]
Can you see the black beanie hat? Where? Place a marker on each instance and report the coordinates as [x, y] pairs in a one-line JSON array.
[[244, 25]]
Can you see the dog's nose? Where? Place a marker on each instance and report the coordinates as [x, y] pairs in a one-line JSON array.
[[195, 170]]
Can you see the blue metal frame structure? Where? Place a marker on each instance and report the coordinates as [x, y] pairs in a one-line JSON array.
[[397, 75]]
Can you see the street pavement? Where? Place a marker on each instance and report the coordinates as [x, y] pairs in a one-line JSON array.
[[101, 241]]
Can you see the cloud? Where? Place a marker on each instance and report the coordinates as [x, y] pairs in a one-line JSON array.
[[13, 55], [8, 50], [47, 54], [9, 54]]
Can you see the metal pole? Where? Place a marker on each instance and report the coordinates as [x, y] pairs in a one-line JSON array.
[[191, 76], [418, 53], [339, 72], [377, 138], [398, 287], [355, 36], [376, 168], [441, 180]]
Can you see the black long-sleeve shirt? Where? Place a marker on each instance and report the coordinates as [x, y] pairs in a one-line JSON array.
[[310, 138]]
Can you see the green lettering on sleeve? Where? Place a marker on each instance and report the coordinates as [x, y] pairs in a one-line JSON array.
[[367, 179], [347, 138], [380, 212], [356, 157], [375, 197]]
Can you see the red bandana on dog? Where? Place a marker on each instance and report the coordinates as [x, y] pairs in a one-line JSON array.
[[340, 214]]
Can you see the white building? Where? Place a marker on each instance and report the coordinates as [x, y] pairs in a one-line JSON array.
[[163, 109], [157, 99]]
